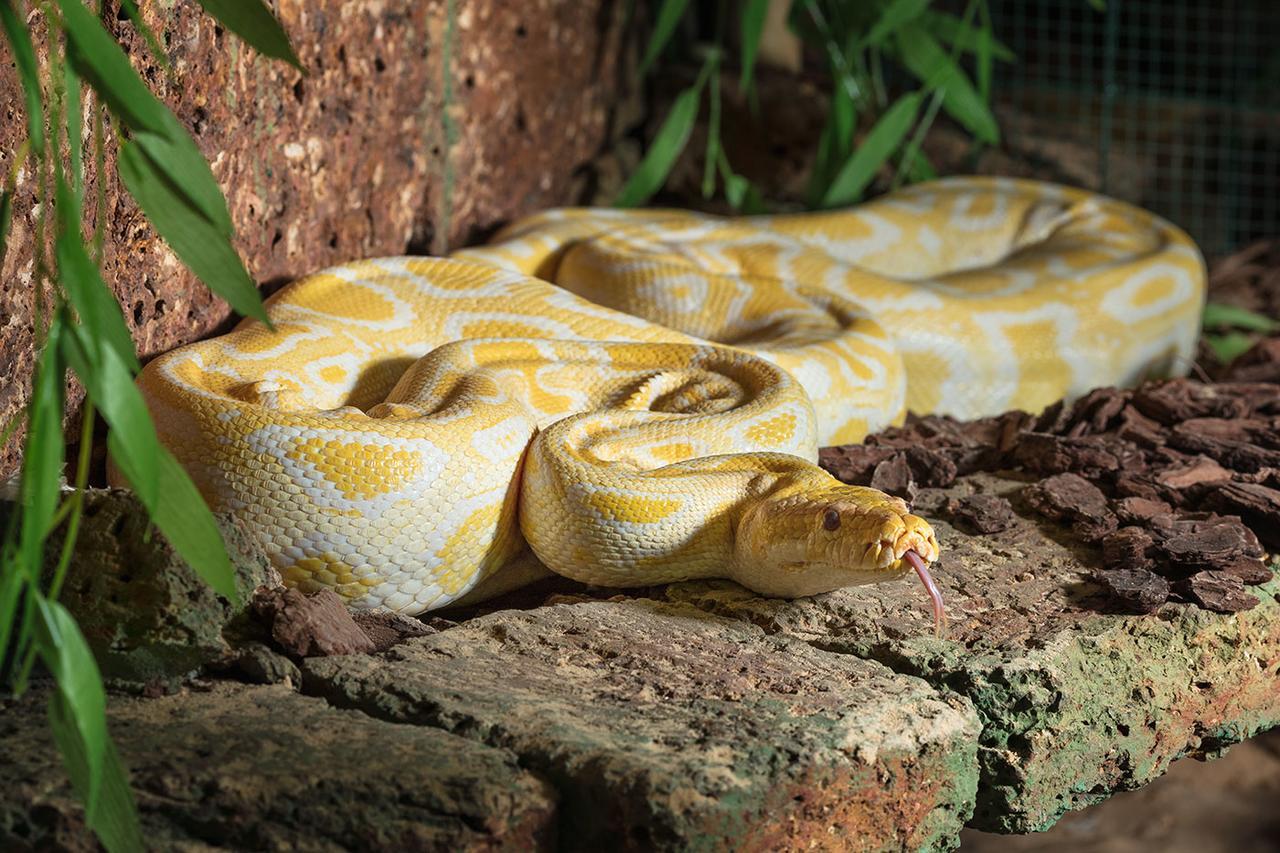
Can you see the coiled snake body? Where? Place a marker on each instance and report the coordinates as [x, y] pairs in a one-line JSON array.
[[640, 395]]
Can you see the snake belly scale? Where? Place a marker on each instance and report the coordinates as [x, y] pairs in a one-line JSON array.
[[639, 396]]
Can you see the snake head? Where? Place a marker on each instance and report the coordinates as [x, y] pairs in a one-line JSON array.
[[803, 542]]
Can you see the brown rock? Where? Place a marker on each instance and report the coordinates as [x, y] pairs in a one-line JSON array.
[[311, 624], [1251, 570], [1208, 548], [665, 728], [1095, 411], [145, 613], [930, 468], [1128, 548], [1179, 400], [1138, 428], [982, 513], [235, 767], [1258, 506], [419, 127], [1073, 500], [1221, 592], [853, 463], [386, 628], [1236, 444], [1139, 511], [893, 476], [1050, 454], [1139, 590], [1200, 472]]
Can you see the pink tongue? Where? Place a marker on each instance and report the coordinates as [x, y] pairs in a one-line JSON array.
[[922, 569]]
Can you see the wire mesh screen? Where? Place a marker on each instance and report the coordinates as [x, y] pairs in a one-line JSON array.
[[1175, 105]]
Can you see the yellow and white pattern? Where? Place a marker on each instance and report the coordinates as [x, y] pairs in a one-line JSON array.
[[640, 395]]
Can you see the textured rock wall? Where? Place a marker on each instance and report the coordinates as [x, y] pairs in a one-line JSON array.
[[419, 126]]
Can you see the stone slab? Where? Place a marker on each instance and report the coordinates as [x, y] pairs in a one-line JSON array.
[[663, 727], [263, 768], [1076, 701]]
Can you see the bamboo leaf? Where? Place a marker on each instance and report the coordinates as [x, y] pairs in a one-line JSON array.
[[198, 243], [253, 22], [24, 56], [13, 580], [6, 219], [926, 59], [87, 292], [983, 60], [883, 139], [101, 62], [953, 31], [43, 454], [1230, 346], [658, 161], [132, 440], [83, 703], [75, 130], [896, 15], [754, 14], [115, 815], [834, 143], [1217, 315], [669, 15], [185, 520]]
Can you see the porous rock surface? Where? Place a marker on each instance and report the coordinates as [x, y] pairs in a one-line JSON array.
[[146, 614], [418, 127], [663, 727], [1077, 699], [238, 768]]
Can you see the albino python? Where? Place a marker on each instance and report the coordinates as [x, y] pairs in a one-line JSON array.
[[640, 395]]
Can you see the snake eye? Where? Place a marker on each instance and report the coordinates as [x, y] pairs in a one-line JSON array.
[[831, 519]]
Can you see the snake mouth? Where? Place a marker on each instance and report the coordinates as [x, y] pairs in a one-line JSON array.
[[922, 570]]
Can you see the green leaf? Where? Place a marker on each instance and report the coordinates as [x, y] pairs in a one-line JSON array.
[[24, 56], [115, 815], [834, 144], [75, 130], [13, 580], [876, 149], [984, 55], [669, 15], [953, 31], [754, 14], [6, 219], [1098, 5], [101, 62], [712, 155], [896, 15], [132, 440], [1219, 315], [185, 520], [66, 655], [1230, 346], [45, 449], [658, 161], [253, 22], [926, 59], [87, 292], [202, 246]]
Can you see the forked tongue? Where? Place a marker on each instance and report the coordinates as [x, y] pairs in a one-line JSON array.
[[922, 569]]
